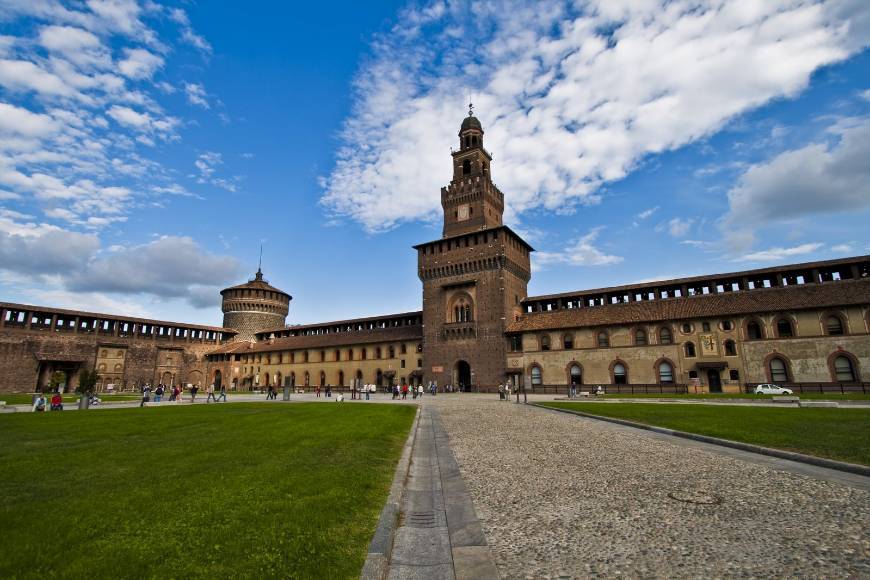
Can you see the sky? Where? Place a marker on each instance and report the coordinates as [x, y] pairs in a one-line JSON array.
[[148, 149]]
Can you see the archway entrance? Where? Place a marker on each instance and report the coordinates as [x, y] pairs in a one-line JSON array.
[[463, 375], [714, 381], [218, 379]]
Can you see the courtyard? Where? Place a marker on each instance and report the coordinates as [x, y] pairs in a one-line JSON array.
[[277, 490]]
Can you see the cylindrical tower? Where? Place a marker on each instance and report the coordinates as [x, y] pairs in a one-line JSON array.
[[254, 307]]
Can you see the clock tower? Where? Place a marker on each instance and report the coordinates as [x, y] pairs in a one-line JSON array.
[[474, 277], [471, 201]]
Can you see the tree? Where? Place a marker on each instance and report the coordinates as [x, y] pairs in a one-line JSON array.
[[57, 379], [87, 382]]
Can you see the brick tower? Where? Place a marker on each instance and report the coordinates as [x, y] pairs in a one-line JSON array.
[[254, 307], [474, 277]]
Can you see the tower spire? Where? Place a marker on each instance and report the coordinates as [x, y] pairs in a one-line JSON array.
[[259, 275]]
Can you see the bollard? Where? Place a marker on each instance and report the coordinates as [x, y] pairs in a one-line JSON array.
[[286, 393]]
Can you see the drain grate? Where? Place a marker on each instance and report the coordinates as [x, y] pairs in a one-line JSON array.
[[420, 519], [695, 497]]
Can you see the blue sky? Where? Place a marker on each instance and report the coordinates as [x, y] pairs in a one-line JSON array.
[[147, 149]]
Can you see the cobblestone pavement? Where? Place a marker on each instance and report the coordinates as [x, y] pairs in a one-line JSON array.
[[566, 497]]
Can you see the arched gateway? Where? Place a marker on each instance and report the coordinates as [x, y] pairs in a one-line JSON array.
[[463, 375]]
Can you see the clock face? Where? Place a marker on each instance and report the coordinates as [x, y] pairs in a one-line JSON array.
[[462, 213]]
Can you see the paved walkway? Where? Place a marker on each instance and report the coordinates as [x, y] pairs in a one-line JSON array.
[[560, 496], [439, 536]]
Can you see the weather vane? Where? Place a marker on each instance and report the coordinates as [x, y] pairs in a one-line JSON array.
[[470, 109]]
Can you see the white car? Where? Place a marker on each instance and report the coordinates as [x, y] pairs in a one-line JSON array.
[[772, 390]]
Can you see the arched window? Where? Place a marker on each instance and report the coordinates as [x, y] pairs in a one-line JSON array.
[[665, 336], [730, 348], [620, 374], [833, 325], [392, 352], [537, 378], [307, 379], [666, 373], [545, 342], [462, 310], [576, 374], [466, 167], [640, 337], [603, 339], [778, 370], [568, 341], [378, 352], [753, 331], [337, 355], [690, 349], [844, 370], [322, 378], [784, 328], [363, 353]]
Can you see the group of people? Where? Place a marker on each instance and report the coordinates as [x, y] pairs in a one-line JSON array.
[[176, 392], [55, 404]]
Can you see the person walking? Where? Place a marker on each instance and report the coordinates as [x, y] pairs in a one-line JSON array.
[[210, 391], [404, 392], [353, 391], [317, 391], [368, 391], [507, 392], [146, 395], [193, 391], [500, 392], [223, 394], [158, 393]]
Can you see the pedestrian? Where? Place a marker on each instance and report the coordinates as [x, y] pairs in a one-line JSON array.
[[223, 394], [56, 402], [507, 392], [210, 391], [420, 390], [368, 390], [193, 391], [353, 391], [328, 391], [39, 404], [146, 395], [500, 392], [404, 392], [317, 391], [158, 393]]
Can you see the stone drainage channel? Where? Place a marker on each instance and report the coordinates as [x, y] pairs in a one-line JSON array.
[[436, 533]]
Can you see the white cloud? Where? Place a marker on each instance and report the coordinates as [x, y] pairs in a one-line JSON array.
[[779, 254], [647, 213], [847, 248], [679, 227], [559, 109], [22, 75], [19, 121], [187, 33], [580, 253], [196, 95], [139, 63], [815, 179], [75, 45]]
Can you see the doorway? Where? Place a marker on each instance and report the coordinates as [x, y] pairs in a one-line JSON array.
[[463, 375], [714, 381]]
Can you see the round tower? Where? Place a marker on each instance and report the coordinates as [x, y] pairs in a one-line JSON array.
[[254, 307]]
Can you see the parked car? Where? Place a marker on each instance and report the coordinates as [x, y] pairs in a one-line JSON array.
[[769, 389]]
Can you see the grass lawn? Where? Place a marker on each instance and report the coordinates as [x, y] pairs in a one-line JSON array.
[[243, 490], [842, 434], [68, 398], [814, 396]]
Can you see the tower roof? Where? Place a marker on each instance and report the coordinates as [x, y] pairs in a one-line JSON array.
[[256, 283], [471, 122]]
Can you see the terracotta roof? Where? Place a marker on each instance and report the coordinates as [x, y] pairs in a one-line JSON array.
[[341, 322], [706, 278], [331, 340], [824, 295], [256, 283], [102, 316]]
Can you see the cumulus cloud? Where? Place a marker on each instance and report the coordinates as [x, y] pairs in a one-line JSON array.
[[582, 252], [168, 267], [816, 179], [676, 227], [780, 254], [196, 95], [569, 98], [139, 63]]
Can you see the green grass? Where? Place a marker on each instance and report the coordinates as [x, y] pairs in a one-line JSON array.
[[243, 490], [842, 434], [814, 396], [68, 398]]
